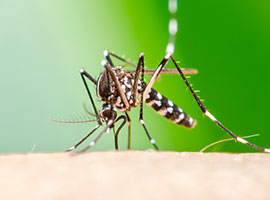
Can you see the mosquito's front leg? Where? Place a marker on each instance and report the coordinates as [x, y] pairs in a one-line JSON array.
[[85, 74], [81, 141], [141, 63]]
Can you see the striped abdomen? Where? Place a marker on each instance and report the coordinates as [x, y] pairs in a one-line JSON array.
[[168, 109]]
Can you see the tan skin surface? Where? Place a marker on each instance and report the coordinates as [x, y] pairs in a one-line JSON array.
[[135, 175]]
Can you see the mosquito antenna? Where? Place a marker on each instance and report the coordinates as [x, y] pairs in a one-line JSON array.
[[225, 140], [72, 122], [87, 111]]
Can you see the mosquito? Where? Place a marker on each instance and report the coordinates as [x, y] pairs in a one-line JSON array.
[[123, 90]]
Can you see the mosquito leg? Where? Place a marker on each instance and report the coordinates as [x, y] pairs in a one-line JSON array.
[[151, 71], [141, 113], [81, 141], [85, 74], [122, 59], [108, 58], [146, 131], [136, 78], [155, 76], [118, 130], [129, 130], [167, 71], [172, 26], [93, 142], [209, 115]]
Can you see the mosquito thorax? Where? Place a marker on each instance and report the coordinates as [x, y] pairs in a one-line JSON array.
[[107, 91]]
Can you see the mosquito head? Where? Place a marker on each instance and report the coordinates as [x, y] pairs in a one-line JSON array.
[[108, 113]]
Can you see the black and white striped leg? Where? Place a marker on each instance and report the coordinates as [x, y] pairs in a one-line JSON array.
[[118, 130], [172, 26], [93, 142], [209, 115], [129, 131], [108, 58], [141, 115], [81, 141], [153, 142]]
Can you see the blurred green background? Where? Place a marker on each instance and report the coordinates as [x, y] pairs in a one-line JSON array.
[[43, 44]]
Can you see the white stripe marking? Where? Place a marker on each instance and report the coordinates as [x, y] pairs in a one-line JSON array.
[[170, 103], [128, 95], [71, 148], [103, 62], [170, 110], [208, 114], [170, 48], [173, 26], [168, 55], [105, 53], [119, 100], [125, 79], [241, 140], [267, 150], [158, 103], [153, 141], [123, 88], [159, 96], [172, 6], [190, 120], [92, 143], [180, 118]]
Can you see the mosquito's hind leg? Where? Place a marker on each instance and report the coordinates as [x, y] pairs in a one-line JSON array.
[[209, 115]]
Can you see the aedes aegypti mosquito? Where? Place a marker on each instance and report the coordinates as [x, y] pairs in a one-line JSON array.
[[122, 90]]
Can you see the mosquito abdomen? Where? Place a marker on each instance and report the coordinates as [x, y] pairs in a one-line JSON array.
[[168, 109]]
